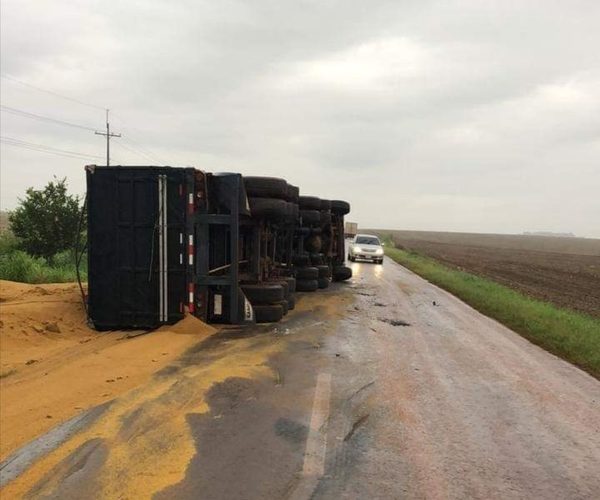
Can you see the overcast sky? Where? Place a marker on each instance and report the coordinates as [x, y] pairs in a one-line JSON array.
[[451, 115]]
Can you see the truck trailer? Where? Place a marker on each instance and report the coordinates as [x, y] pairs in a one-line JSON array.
[[350, 229], [166, 241]]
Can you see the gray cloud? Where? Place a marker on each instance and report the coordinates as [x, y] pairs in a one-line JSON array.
[[465, 115]]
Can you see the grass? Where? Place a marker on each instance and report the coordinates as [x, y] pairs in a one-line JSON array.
[[568, 334], [16, 265]]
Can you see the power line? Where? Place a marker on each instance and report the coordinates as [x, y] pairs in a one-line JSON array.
[[55, 94], [129, 138], [137, 151], [40, 147], [149, 154], [140, 149], [32, 146], [76, 157], [34, 116]]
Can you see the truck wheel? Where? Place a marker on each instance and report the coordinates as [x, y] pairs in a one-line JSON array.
[[316, 259], [306, 273], [284, 284], [266, 187], [291, 284], [268, 313], [301, 260], [309, 203], [293, 193], [325, 204], [324, 271], [310, 217], [323, 282], [292, 212], [267, 208], [307, 285], [291, 302], [340, 207], [284, 306], [262, 293], [325, 218], [341, 273]]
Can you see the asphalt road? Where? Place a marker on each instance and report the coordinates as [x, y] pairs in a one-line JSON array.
[[384, 387]]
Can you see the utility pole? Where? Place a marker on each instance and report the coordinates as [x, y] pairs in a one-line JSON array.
[[108, 135]]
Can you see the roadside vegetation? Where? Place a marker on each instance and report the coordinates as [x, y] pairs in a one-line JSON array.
[[572, 336], [40, 245]]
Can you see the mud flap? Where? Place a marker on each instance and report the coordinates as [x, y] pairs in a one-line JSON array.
[[219, 308], [247, 316]]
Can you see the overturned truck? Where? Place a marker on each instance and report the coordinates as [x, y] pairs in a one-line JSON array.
[[223, 247]]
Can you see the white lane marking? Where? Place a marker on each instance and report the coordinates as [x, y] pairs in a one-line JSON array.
[[316, 442]]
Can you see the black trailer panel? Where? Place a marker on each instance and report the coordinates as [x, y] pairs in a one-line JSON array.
[[136, 246]]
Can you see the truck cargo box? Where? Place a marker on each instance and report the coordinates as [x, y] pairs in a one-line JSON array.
[[351, 229], [136, 245]]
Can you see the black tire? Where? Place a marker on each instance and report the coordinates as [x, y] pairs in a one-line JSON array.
[[284, 284], [263, 293], [380, 262], [310, 217], [293, 192], [268, 208], [309, 203], [341, 273], [291, 302], [317, 259], [291, 284], [325, 218], [266, 187], [291, 212], [324, 271], [325, 204], [301, 260], [295, 209], [284, 306], [323, 282], [306, 273], [313, 244], [340, 207], [268, 313], [307, 285]]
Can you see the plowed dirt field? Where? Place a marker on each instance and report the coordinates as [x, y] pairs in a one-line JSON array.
[[563, 271]]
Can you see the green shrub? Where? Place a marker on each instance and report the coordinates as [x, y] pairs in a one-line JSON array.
[[19, 266], [8, 242], [46, 220]]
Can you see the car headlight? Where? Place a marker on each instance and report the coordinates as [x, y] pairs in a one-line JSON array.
[[356, 249], [379, 251]]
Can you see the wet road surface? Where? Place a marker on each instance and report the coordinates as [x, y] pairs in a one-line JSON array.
[[384, 387]]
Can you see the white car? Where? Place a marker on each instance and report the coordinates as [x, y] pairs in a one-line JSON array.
[[366, 247]]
